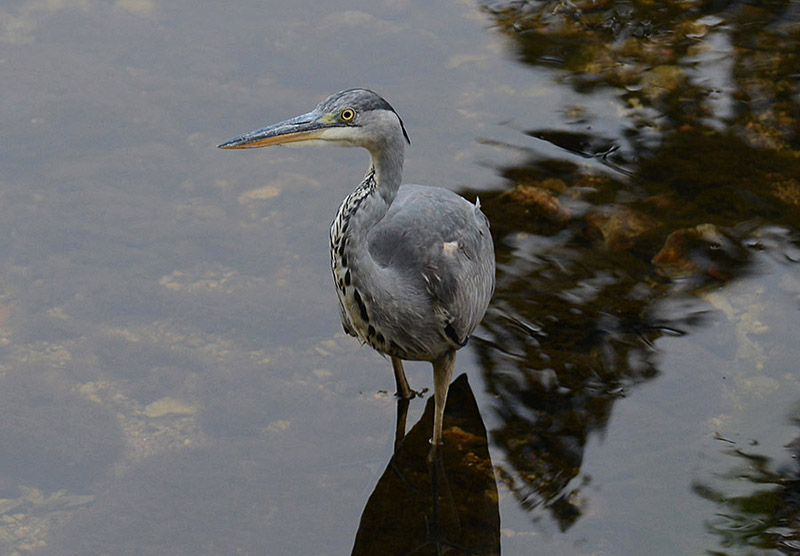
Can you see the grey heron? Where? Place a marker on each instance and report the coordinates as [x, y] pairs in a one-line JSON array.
[[413, 265]]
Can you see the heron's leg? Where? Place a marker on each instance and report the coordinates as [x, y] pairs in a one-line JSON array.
[[403, 390], [400, 427], [442, 372], [404, 394]]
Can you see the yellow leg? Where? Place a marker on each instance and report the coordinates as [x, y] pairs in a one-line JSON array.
[[442, 373], [400, 427], [403, 390]]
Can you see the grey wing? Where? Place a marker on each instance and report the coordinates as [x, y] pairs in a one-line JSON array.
[[439, 247]]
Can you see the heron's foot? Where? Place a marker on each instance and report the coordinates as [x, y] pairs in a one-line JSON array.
[[435, 453], [405, 396], [411, 394]]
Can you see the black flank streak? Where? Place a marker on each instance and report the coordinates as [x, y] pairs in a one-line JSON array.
[[361, 306]]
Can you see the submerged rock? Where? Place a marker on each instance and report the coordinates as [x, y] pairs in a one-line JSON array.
[[703, 249]]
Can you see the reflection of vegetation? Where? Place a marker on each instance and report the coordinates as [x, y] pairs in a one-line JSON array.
[[655, 53], [634, 46], [768, 518], [707, 90]]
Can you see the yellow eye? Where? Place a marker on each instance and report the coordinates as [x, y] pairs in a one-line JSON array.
[[348, 114]]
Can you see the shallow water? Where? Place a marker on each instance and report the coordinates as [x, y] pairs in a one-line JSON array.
[[173, 375]]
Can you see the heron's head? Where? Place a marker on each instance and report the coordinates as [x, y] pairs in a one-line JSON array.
[[355, 117]]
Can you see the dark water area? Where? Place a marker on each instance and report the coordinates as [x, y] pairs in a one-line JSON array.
[[700, 197], [173, 375]]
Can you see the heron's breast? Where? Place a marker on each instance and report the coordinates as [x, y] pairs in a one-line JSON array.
[[357, 308]]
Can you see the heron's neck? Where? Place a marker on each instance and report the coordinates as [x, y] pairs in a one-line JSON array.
[[370, 201], [386, 164]]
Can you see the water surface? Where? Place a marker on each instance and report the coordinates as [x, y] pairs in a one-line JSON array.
[[174, 378]]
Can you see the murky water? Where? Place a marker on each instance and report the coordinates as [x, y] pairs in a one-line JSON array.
[[173, 375]]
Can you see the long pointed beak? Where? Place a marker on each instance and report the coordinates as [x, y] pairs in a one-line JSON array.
[[306, 127]]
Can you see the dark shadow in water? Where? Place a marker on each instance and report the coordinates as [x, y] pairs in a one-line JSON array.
[[400, 517], [595, 265]]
